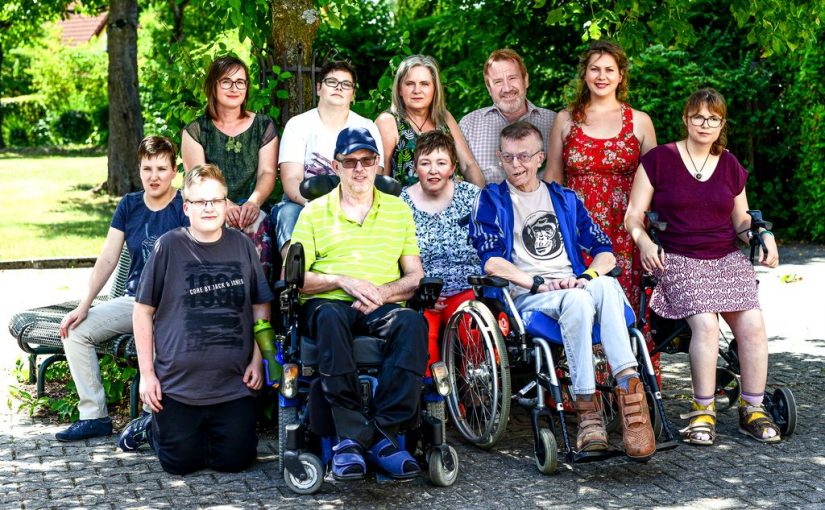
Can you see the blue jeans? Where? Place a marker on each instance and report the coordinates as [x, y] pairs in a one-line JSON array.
[[285, 219], [603, 301]]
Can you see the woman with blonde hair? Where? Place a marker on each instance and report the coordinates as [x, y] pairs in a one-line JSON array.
[[418, 106]]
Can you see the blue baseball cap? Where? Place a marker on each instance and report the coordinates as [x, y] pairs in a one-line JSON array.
[[354, 139]]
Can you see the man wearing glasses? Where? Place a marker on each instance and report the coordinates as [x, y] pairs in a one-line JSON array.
[[533, 233], [362, 260], [198, 297], [308, 143]]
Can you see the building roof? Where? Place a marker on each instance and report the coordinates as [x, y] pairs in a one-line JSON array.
[[78, 29]]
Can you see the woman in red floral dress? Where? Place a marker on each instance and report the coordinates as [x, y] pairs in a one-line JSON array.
[[596, 144]]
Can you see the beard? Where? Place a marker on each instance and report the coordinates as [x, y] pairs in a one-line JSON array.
[[512, 104]]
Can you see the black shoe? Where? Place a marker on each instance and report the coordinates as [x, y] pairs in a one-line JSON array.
[[136, 433], [85, 429]]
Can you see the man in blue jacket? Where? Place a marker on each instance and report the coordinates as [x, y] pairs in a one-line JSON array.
[[533, 233]]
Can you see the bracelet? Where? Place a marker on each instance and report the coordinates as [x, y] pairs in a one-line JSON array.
[[766, 231], [589, 274]]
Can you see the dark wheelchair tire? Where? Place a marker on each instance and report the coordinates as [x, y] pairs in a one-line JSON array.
[[548, 464], [286, 416], [440, 476], [784, 411], [315, 471], [479, 375]]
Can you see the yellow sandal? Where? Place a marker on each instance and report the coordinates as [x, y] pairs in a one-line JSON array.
[[754, 421], [702, 423]]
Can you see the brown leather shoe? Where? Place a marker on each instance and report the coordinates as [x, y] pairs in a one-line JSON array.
[[592, 435], [637, 431]]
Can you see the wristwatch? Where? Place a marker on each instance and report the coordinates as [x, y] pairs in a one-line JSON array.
[[537, 282]]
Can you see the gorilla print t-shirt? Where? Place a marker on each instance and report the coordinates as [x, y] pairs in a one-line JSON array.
[[538, 248], [203, 295]]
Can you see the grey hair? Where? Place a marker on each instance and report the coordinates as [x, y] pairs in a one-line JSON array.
[[438, 109]]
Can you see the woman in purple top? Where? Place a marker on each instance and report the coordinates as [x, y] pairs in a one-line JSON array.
[[698, 188]]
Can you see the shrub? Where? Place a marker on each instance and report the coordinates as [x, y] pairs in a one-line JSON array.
[[74, 126]]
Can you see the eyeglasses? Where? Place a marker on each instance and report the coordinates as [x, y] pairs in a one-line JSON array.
[[699, 121], [214, 203], [226, 84], [353, 162], [522, 157], [333, 83]]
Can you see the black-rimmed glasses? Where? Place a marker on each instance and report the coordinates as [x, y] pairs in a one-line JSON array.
[[700, 120], [226, 84], [333, 83]]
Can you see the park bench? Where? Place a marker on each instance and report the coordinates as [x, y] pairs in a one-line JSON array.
[[36, 331]]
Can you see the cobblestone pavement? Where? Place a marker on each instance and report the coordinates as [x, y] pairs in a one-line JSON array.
[[38, 472]]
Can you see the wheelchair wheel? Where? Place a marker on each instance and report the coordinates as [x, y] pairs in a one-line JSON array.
[[440, 475], [476, 357], [727, 388], [315, 475], [548, 462], [784, 411], [286, 416], [655, 417]]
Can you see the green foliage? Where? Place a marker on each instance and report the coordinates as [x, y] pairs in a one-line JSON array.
[[116, 376]]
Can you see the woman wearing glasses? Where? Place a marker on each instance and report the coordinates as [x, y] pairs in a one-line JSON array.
[[698, 188], [308, 145], [243, 144], [418, 106]]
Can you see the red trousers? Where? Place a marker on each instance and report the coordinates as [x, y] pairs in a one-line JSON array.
[[436, 320]]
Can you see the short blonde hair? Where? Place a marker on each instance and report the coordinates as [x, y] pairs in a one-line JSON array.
[[200, 173]]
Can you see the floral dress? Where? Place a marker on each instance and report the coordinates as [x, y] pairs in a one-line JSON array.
[[601, 172], [401, 162]]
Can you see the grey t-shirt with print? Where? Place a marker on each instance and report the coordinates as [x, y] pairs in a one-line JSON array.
[[203, 295]]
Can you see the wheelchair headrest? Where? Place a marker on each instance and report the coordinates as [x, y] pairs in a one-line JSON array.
[[294, 265], [319, 185]]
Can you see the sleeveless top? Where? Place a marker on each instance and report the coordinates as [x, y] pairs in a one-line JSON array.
[[401, 163], [600, 171], [236, 156]]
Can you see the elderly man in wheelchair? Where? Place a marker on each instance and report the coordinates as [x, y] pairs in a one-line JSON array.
[[532, 235], [361, 262]]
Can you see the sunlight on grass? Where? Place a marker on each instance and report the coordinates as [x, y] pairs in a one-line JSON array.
[[47, 210]]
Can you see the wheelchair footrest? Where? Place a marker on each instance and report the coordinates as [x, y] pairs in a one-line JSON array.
[[667, 445], [583, 457]]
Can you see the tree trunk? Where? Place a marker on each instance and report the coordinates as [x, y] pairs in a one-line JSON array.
[[125, 121], [294, 24], [177, 7]]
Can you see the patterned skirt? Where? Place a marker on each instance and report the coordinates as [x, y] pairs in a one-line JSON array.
[[690, 286]]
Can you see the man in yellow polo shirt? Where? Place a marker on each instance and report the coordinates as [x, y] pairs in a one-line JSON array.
[[362, 260]]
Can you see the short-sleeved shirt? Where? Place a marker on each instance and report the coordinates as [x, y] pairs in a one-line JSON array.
[[203, 295], [443, 239], [538, 244], [236, 156], [698, 214], [308, 141], [141, 227], [482, 128], [334, 244]]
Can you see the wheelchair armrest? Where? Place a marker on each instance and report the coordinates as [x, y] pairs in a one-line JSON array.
[[487, 281], [429, 288], [615, 272]]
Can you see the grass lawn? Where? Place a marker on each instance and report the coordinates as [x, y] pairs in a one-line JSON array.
[[47, 208]]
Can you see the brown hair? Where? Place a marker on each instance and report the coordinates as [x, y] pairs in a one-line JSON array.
[[520, 130], [157, 146], [200, 173], [582, 98], [338, 65], [716, 103], [220, 67], [505, 54], [431, 141]]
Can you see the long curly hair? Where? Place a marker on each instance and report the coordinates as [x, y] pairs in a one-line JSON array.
[[582, 97]]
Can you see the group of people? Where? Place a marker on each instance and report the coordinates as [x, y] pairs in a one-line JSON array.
[[196, 284]]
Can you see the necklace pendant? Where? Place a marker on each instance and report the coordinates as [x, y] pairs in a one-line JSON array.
[[698, 176]]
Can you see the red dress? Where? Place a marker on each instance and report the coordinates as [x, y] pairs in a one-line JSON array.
[[601, 172]]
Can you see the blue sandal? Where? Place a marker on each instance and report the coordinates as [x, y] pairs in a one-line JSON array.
[[348, 461], [396, 463]]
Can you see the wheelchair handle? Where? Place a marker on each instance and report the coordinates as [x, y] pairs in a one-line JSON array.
[[427, 293], [654, 226], [755, 240]]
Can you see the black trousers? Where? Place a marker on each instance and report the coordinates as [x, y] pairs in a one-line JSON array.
[[333, 324], [189, 438]]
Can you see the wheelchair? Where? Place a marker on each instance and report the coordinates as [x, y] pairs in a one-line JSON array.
[[306, 433], [672, 336], [488, 346]]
